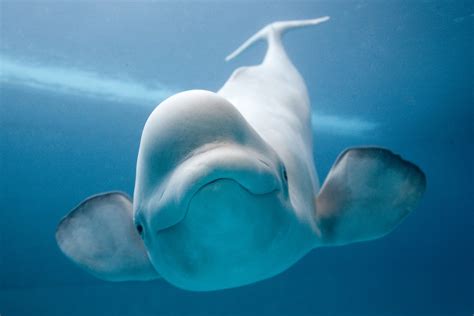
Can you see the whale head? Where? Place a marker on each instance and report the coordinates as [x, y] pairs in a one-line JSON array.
[[211, 196]]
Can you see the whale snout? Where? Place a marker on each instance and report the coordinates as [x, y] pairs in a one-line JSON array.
[[236, 163]]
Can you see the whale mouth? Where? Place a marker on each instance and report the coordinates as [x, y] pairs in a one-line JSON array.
[[206, 166], [237, 183], [215, 184]]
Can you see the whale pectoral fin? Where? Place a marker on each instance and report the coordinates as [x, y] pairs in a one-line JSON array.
[[99, 235], [367, 193]]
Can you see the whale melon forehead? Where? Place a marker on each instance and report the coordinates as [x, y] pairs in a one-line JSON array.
[[186, 123], [191, 118]]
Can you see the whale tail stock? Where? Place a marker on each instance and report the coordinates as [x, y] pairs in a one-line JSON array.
[[272, 34]]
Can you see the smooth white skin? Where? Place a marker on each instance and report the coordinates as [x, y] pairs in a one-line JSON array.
[[246, 229], [257, 125]]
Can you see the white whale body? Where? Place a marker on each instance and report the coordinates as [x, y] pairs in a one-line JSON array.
[[226, 191]]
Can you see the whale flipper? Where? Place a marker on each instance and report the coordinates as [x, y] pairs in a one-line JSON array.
[[99, 235], [367, 193]]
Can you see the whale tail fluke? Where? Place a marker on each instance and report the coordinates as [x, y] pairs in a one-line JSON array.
[[273, 32]]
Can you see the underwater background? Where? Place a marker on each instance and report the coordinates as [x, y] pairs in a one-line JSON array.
[[79, 79]]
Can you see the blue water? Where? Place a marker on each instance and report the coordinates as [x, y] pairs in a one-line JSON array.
[[397, 74]]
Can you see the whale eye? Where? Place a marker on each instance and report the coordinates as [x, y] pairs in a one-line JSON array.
[[139, 229], [285, 175]]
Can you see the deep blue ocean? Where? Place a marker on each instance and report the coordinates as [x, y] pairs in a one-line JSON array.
[[79, 79]]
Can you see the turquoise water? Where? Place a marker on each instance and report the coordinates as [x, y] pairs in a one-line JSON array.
[[79, 80]]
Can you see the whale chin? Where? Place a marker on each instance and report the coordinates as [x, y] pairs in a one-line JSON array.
[[225, 240]]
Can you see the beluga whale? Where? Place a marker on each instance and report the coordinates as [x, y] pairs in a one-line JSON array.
[[226, 190]]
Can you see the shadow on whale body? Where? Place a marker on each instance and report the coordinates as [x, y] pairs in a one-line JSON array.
[[226, 192]]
